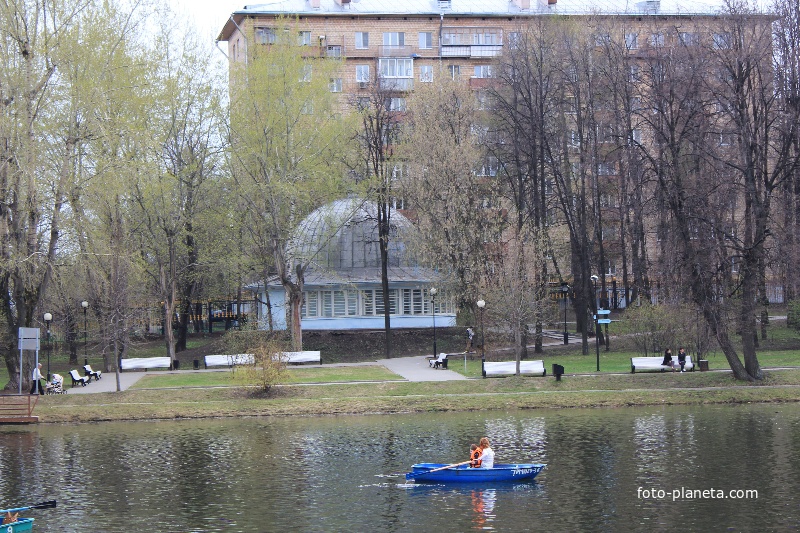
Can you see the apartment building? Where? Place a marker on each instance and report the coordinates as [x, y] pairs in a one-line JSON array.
[[401, 44]]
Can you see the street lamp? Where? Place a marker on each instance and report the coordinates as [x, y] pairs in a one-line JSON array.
[[85, 306], [47, 319], [596, 323], [433, 292], [481, 305], [565, 292]]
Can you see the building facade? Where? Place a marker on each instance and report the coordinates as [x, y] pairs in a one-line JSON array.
[[402, 44]]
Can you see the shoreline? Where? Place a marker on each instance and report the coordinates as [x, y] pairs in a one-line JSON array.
[[387, 398]]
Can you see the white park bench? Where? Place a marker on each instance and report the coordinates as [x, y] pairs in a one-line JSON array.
[[143, 363], [248, 359], [509, 368], [229, 360], [644, 364], [303, 357]]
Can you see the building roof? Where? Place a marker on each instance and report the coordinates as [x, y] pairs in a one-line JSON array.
[[477, 8], [360, 277], [482, 7]]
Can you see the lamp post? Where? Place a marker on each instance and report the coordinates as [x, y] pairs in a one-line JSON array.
[[433, 292], [565, 292], [48, 317], [85, 306], [596, 323], [481, 305]]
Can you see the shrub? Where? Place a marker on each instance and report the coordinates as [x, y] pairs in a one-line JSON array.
[[269, 363], [793, 315]]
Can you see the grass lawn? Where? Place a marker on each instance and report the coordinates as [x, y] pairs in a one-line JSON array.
[[605, 390], [336, 374]]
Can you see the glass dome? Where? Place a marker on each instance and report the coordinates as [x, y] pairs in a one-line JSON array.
[[343, 235]]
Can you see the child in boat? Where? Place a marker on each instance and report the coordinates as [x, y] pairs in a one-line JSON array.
[[475, 456], [487, 454]]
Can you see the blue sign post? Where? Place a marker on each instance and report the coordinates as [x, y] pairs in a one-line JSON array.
[[598, 321]]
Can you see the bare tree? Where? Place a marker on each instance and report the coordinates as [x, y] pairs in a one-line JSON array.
[[379, 163]]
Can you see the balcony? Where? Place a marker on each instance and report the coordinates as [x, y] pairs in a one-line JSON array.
[[396, 51], [396, 84], [475, 50]]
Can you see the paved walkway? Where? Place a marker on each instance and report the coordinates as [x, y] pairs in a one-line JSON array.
[[410, 368]]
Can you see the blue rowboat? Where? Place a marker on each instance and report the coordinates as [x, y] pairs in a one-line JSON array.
[[439, 473], [22, 524]]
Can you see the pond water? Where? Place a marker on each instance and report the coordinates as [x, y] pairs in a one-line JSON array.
[[606, 470]]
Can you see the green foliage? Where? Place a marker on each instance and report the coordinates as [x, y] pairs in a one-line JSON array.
[[654, 328], [793, 315], [269, 363]]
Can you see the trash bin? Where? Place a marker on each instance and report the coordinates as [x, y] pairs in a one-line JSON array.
[[196, 364], [558, 370], [444, 363], [703, 364], [176, 364]]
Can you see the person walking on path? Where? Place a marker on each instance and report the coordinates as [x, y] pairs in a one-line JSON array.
[[470, 336], [36, 379]]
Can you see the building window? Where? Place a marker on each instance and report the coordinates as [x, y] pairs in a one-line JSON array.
[[656, 39], [636, 135], [455, 71], [605, 169], [304, 38], [489, 167], [426, 73], [394, 38], [450, 38], [484, 71], [574, 138], [487, 37], [305, 75], [363, 103], [631, 41], [602, 39], [688, 38], [721, 41], [265, 35], [396, 67], [336, 85], [636, 103], [329, 304], [605, 133], [362, 73], [310, 307], [362, 40], [396, 104], [333, 51], [425, 40], [373, 301], [633, 74]]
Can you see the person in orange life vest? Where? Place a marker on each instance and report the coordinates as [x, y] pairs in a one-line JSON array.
[[475, 453]]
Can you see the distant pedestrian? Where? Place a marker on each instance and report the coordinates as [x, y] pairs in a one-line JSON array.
[[668, 360], [37, 378], [470, 336], [682, 358]]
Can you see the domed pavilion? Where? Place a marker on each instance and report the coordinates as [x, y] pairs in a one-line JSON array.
[[338, 244]]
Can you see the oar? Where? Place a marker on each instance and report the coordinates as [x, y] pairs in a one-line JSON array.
[[445, 467], [44, 505]]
